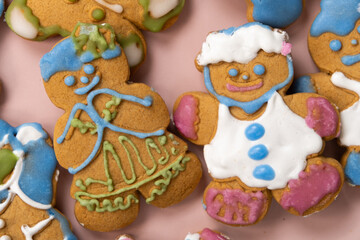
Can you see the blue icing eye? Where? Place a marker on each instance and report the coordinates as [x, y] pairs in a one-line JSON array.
[[264, 172], [358, 29], [69, 81], [233, 72], [84, 80], [335, 45], [354, 42], [254, 132], [259, 69], [258, 152], [89, 69]]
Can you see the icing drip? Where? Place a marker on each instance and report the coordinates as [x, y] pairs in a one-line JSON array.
[[185, 116], [311, 187], [252, 205], [29, 232], [114, 7], [159, 8]]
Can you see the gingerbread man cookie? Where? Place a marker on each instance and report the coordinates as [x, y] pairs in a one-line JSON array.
[[259, 142], [27, 185], [333, 44], [38, 19], [113, 135]]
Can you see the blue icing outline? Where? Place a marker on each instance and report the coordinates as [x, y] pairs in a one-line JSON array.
[[64, 224], [254, 105], [277, 13], [102, 123], [231, 30], [336, 16]]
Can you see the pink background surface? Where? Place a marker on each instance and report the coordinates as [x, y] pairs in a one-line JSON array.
[[169, 68]]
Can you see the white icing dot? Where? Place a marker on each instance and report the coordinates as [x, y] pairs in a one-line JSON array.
[[21, 25], [159, 8], [133, 54], [2, 223]]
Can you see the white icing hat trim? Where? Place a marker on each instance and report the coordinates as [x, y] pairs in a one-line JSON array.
[[159, 8], [241, 46]]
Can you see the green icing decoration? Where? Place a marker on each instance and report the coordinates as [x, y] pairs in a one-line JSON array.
[[156, 24], [43, 32], [115, 101], [7, 163], [91, 38], [98, 14], [84, 127], [108, 115], [102, 202]]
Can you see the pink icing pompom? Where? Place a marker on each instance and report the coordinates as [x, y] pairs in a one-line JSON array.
[[185, 116], [286, 48]]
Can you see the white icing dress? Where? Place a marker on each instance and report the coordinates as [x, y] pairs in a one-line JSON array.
[[350, 117], [280, 144]]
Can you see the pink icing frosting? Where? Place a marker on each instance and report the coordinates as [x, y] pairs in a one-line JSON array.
[[322, 116], [286, 48], [311, 187], [207, 234], [252, 205], [233, 88], [185, 116]]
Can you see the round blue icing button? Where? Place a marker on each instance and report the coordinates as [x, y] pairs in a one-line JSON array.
[[254, 132], [69, 81], [258, 152], [335, 45], [264, 172]]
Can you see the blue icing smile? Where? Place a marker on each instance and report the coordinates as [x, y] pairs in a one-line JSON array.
[[350, 59], [264, 172], [277, 13], [336, 16]]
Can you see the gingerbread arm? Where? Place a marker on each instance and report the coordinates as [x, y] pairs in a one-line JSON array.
[[195, 116], [319, 113]]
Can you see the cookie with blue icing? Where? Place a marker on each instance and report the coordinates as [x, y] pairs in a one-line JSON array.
[[38, 20], [275, 13], [333, 43], [113, 135], [28, 179], [259, 143]]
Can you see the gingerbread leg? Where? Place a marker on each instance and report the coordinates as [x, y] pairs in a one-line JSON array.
[[315, 189], [176, 184], [229, 202]]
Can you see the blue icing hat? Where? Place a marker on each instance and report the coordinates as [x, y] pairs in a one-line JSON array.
[[336, 16]]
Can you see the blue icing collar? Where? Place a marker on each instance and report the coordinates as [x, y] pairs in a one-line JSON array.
[[336, 16], [254, 105], [277, 13], [63, 57]]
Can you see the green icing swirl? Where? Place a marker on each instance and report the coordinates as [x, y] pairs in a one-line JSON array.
[[7, 163], [102, 202], [156, 24]]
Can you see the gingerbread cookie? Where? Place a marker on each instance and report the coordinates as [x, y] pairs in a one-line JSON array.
[[259, 142], [333, 44], [275, 13], [38, 19], [27, 185], [113, 135]]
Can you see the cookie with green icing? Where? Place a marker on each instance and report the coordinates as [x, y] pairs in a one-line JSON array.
[[38, 20], [112, 136]]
